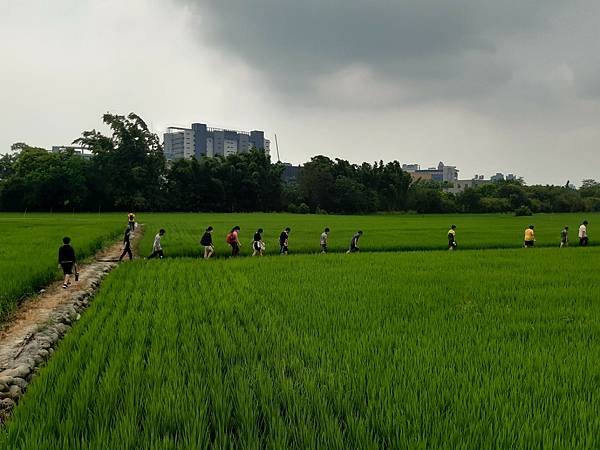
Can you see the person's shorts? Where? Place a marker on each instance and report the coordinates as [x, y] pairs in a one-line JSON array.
[[583, 241], [354, 249], [452, 245], [283, 249], [67, 268], [324, 248], [256, 246], [529, 243]]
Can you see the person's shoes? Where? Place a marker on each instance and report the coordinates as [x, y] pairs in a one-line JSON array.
[[65, 286]]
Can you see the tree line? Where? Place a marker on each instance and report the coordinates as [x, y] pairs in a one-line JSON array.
[[127, 171]]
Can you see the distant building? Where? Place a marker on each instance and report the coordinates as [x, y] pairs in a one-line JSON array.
[[441, 173], [200, 140], [460, 185], [81, 151], [291, 173], [478, 180], [496, 178]]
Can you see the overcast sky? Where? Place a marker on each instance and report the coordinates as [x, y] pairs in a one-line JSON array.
[[504, 85]]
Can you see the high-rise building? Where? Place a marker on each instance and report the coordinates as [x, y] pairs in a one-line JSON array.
[[200, 140]]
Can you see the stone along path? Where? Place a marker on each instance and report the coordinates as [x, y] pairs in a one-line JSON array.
[[34, 330]]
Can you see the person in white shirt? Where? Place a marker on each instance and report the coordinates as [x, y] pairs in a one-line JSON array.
[[324, 240], [157, 250], [583, 237]]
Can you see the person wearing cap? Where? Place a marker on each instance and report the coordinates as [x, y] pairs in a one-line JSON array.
[[529, 237], [131, 221], [452, 238], [583, 236]]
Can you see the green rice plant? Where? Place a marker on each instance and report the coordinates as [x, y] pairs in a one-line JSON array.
[[475, 349], [29, 249]]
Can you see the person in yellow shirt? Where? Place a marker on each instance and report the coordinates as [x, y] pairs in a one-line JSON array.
[[452, 238], [529, 237]]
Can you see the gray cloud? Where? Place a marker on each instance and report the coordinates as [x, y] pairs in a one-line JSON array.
[[433, 48]]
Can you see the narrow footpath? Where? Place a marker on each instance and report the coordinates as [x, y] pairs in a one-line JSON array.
[[39, 323]]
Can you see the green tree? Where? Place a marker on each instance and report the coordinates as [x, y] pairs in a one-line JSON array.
[[129, 163]]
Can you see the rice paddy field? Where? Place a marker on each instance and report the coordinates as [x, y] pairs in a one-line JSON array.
[[474, 349], [29, 248], [405, 345]]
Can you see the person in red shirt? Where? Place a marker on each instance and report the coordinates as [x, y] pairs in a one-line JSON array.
[[233, 239]]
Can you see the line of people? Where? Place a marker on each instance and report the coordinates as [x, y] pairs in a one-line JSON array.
[[259, 247], [258, 244], [68, 263]]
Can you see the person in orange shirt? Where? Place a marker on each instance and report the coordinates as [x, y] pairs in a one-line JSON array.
[[529, 237]]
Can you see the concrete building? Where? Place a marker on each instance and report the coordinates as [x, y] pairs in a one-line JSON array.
[[81, 151], [441, 173], [179, 143], [291, 173], [200, 141]]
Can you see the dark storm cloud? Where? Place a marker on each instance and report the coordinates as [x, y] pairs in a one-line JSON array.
[[436, 48]]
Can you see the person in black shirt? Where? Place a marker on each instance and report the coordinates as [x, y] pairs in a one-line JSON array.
[[66, 259], [257, 243], [354, 242], [126, 245], [207, 242], [283, 241]]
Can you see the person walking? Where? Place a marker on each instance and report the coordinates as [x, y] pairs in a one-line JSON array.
[[207, 242], [564, 237], [325, 240], [67, 261], [131, 221], [258, 246], [283, 241], [452, 238], [126, 245], [583, 236], [354, 242], [157, 250], [529, 240], [233, 239]]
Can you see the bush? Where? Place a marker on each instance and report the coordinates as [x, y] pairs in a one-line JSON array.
[[320, 211], [292, 208], [303, 209], [523, 211]]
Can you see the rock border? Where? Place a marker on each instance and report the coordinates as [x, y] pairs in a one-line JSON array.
[[41, 345]]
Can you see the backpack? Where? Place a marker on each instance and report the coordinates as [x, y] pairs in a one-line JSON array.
[[230, 238]]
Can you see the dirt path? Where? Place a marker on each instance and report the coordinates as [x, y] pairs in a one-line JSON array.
[[30, 336]]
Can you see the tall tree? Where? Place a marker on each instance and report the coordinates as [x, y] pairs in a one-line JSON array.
[[129, 164]]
